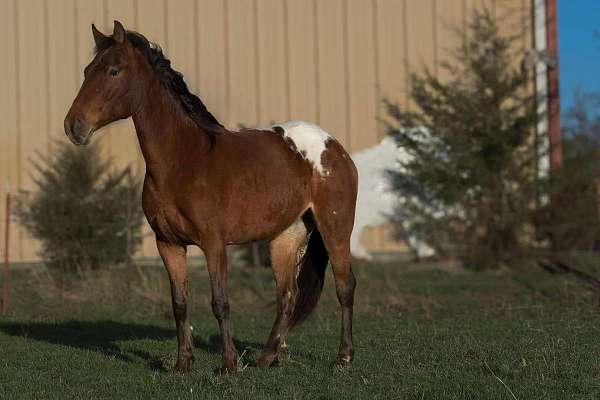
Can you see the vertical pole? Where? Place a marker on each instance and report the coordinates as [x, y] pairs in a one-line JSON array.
[[541, 88], [598, 195], [554, 133], [129, 213], [6, 244]]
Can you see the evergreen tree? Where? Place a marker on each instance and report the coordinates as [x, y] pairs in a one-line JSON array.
[[470, 186], [79, 211]]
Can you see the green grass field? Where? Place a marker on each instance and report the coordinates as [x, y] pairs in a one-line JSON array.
[[421, 332]]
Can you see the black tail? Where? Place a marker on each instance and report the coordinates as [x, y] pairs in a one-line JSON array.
[[310, 278]]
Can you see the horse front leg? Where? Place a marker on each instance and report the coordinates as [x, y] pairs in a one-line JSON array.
[[216, 259], [174, 258]]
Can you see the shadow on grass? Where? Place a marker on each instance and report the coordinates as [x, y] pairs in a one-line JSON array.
[[104, 337]]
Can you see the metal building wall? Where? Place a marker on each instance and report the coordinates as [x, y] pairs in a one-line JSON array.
[[251, 61]]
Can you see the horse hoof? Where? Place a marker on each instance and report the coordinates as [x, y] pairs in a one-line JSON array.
[[177, 370], [182, 367], [267, 360], [343, 360], [222, 371]]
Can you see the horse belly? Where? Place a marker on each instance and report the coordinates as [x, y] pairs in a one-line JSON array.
[[263, 214]]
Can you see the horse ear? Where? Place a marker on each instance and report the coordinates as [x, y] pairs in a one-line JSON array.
[[119, 32], [99, 37]]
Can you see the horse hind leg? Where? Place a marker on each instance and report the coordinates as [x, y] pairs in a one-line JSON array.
[[286, 251], [345, 284], [335, 220]]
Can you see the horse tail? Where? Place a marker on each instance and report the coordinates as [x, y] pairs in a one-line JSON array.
[[310, 275]]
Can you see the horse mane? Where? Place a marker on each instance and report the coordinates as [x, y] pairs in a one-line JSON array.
[[170, 79]]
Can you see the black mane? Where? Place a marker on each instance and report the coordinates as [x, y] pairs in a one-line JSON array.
[[172, 80]]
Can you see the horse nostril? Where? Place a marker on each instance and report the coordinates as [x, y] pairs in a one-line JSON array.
[[77, 126]]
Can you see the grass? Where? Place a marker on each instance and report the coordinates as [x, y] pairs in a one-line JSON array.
[[421, 332]]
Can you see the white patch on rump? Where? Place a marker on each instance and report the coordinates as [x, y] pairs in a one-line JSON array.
[[310, 140]]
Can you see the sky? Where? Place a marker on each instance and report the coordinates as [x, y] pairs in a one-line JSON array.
[[578, 48]]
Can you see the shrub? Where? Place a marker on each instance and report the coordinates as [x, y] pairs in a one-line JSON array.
[[571, 220], [79, 210]]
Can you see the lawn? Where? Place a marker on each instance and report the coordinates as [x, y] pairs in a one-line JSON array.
[[422, 331]]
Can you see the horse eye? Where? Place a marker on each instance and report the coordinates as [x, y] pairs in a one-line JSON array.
[[114, 71]]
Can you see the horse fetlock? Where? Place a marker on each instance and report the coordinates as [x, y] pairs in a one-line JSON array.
[[179, 307], [344, 359], [185, 353]]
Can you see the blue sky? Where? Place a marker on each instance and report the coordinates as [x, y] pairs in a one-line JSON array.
[[579, 47]]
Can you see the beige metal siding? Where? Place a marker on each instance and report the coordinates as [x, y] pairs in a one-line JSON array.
[[251, 61], [332, 89], [392, 62]]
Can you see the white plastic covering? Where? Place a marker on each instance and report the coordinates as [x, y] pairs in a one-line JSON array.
[[376, 203]]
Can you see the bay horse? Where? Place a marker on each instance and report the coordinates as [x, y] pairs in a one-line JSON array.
[[293, 184]]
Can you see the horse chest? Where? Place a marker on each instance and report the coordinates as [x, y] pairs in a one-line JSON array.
[[164, 218]]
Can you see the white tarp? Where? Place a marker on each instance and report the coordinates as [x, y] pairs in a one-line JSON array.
[[376, 202]]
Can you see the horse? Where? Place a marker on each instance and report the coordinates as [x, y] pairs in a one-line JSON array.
[[204, 185]]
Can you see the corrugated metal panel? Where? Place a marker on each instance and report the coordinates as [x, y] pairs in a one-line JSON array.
[[32, 54], [303, 59], [392, 61], [420, 37], [272, 46], [361, 60], [243, 74], [252, 61], [332, 87], [9, 116], [213, 78]]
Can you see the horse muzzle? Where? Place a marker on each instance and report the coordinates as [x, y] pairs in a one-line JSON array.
[[78, 131]]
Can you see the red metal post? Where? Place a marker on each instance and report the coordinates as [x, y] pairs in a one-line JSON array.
[[6, 244], [554, 133]]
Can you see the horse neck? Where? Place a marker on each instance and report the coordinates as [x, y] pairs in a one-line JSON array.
[[167, 135]]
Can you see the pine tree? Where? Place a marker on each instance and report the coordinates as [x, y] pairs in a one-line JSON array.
[[79, 210], [470, 186]]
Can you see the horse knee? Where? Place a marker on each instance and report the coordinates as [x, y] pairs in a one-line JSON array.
[[220, 309]]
